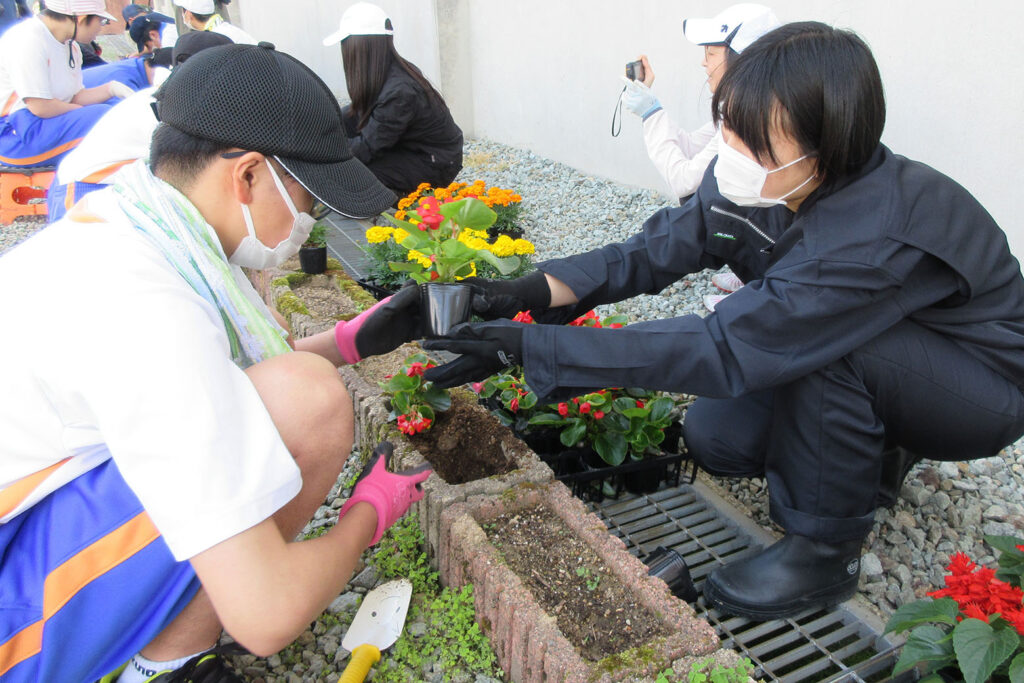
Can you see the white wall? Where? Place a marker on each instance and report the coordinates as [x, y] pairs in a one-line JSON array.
[[544, 75]]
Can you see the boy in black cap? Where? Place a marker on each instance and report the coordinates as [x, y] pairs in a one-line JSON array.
[[163, 452]]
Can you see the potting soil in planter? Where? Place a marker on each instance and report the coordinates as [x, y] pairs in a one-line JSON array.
[[464, 443], [597, 614]]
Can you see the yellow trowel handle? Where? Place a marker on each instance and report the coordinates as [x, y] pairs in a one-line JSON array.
[[363, 657]]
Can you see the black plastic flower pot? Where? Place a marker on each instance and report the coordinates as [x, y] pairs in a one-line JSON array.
[[645, 480], [444, 305], [313, 260], [670, 567], [376, 290], [542, 440]]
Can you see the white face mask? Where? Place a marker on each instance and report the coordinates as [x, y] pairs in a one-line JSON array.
[[741, 179], [252, 253]]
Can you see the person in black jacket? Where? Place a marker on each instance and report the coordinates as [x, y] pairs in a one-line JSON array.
[[398, 124], [884, 314]]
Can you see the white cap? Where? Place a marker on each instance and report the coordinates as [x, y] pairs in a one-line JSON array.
[[197, 6], [737, 26], [79, 8], [361, 19]]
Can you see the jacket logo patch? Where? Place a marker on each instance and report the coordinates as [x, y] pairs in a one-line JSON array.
[[725, 236]]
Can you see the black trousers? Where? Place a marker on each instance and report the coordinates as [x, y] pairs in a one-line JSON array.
[[402, 171], [819, 440]]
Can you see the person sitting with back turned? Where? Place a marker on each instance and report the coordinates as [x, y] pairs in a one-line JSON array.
[[45, 109], [161, 444], [202, 15], [398, 124], [884, 311]]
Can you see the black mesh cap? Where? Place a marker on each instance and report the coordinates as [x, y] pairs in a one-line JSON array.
[[256, 98]]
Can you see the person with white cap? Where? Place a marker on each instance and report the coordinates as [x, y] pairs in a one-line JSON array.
[[202, 15], [398, 124], [162, 443], [682, 157], [45, 109]]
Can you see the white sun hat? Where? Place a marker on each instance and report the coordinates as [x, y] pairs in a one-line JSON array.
[[197, 6], [361, 19], [79, 8], [737, 26]]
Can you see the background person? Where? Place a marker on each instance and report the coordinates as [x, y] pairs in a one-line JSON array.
[[202, 15], [12, 11], [397, 124], [682, 157], [147, 32], [883, 309], [168, 30], [45, 109], [176, 424], [122, 136]]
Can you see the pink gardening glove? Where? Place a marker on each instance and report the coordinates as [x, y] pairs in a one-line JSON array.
[[390, 493], [382, 328]]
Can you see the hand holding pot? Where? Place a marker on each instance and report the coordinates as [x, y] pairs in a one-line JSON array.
[[390, 493], [382, 328], [504, 298], [485, 349]]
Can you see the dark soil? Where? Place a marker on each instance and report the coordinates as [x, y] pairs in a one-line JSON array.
[[594, 610], [464, 443]]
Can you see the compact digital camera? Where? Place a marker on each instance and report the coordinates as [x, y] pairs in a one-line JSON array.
[[635, 71]]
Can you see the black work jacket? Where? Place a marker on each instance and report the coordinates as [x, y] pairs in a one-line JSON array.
[[405, 119], [898, 240]]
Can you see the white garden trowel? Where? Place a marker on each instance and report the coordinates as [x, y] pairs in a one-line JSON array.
[[377, 625]]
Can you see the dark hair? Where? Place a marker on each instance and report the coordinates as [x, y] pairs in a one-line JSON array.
[[55, 15], [367, 60], [179, 157], [201, 17], [818, 84]]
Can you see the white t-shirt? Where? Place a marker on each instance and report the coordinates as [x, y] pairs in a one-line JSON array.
[[680, 157], [236, 34], [35, 64], [121, 136], [110, 353]]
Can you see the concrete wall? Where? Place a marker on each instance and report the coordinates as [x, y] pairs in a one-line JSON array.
[[544, 75]]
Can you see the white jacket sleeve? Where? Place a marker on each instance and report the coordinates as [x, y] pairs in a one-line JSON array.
[[680, 157]]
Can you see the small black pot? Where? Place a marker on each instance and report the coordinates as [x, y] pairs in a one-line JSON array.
[[313, 260], [670, 567], [542, 440], [444, 305], [646, 480]]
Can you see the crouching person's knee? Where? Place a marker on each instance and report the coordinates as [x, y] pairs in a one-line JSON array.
[[308, 402], [713, 450]]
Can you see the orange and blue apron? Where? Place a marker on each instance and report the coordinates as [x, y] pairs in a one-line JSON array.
[[86, 581]]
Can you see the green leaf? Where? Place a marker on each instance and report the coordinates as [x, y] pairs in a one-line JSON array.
[[400, 404], [547, 419], [469, 213], [503, 264], [943, 611], [503, 417], [1016, 672], [528, 401], [615, 422], [426, 411], [401, 382], [409, 227], [572, 434], [925, 644], [661, 409], [404, 266], [611, 447], [1005, 544], [980, 648], [438, 398]]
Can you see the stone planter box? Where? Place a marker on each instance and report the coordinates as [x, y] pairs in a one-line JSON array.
[[372, 427], [527, 641]]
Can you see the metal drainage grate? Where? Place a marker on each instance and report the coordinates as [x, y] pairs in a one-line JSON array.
[[842, 644]]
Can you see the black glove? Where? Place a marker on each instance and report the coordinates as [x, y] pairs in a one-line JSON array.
[[504, 298], [390, 324], [485, 349]]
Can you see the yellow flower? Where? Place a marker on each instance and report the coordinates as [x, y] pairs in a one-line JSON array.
[[419, 258], [503, 246], [400, 215], [523, 247], [378, 234], [398, 235], [473, 242], [406, 202]]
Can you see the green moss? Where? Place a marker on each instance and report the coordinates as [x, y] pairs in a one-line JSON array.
[[634, 659], [288, 303], [279, 282], [352, 290]]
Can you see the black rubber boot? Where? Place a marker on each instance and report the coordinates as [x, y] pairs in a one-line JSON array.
[[794, 574], [896, 463]]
